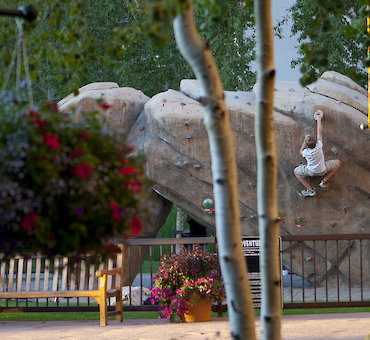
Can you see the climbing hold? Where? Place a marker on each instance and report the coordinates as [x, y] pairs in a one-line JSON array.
[[251, 186], [291, 90], [333, 225], [252, 136], [308, 259], [188, 137], [164, 101], [249, 103], [208, 206], [345, 209], [196, 167], [281, 218], [186, 124], [334, 151], [182, 104], [208, 203], [299, 222], [318, 113], [236, 97]]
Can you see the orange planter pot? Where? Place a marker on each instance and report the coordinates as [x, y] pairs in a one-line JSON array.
[[199, 311]]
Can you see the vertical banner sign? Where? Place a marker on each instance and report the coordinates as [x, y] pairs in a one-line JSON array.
[[251, 252]]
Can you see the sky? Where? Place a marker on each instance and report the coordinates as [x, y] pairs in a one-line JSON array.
[[285, 49]]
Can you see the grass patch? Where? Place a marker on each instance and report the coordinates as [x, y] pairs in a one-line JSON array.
[[71, 316], [326, 310], [81, 316]]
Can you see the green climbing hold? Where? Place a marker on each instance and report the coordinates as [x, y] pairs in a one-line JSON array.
[[208, 203]]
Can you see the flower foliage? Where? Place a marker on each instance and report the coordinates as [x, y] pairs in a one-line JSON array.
[[65, 185], [183, 277]]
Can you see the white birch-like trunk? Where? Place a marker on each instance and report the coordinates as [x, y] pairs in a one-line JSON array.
[[232, 261], [179, 227], [267, 174]]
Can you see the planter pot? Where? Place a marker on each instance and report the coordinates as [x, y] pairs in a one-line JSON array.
[[199, 311]]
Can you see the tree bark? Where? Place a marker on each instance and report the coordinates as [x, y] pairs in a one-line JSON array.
[[179, 227], [267, 174], [232, 261]]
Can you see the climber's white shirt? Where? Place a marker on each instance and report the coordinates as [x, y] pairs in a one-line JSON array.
[[315, 158]]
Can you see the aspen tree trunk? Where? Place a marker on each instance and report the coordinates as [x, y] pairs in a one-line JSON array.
[[267, 174], [216, 120], [179, 227]]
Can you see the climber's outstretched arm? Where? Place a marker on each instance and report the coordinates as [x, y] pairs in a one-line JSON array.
[[319, 127]]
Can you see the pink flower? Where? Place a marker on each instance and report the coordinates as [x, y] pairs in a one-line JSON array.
[[83, 170], [136, 226], [29, 221], [51, 141]]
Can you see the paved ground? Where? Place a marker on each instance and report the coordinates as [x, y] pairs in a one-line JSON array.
[[351, 326]]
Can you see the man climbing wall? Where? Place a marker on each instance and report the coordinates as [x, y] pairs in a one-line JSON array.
[[312, 151]]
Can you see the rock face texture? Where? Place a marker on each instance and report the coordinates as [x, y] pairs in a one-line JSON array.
[[171, 133]]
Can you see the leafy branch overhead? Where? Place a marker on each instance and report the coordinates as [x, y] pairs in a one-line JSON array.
[[332, 36]]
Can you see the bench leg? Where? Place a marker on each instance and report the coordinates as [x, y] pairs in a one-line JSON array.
[[103, 311], [103, 301], [119, 308]]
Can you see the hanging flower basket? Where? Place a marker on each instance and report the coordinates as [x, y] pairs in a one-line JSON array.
[[65, 185]]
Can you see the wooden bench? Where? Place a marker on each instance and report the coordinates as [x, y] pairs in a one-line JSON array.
[[40, 278]]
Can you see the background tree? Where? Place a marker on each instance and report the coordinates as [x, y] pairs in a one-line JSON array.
[[332, 36], [76, 42]]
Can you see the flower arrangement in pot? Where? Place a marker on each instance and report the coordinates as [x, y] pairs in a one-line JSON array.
[[65, 185], [184, 279]]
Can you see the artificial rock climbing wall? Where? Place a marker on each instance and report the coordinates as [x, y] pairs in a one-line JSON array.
[[169, 129]]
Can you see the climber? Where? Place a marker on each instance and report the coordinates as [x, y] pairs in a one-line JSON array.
[[312, 151]]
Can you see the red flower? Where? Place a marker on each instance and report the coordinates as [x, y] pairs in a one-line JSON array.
[[84, 134], [51, 141], [29, 221], [115, 210], [134, 185], [136, 226], [33, 114], [41, 123], [105, 106], [124, 161], [76, 153], [127, 171], [83, 170], [53, 106]]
